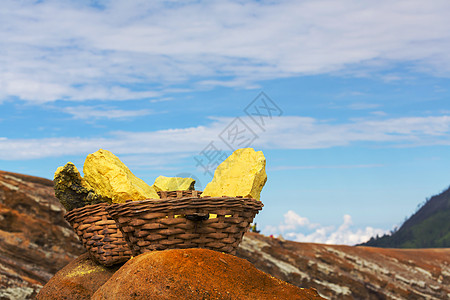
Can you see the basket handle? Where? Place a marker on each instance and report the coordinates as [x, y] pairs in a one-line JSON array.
[[197, 217]]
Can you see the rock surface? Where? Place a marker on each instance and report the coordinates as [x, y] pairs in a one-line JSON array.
[[111, 178], [163, 183], [243, 173], [78, 280], [35, 240], [348, 272], [195, 274], [72, 190]]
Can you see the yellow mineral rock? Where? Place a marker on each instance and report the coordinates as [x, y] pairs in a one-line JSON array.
[[243, 173], [111, 178], [163, 183]]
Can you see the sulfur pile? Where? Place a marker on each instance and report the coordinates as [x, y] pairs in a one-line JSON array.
[[108, 179], [163, 183], [243, 173], [108, 175]]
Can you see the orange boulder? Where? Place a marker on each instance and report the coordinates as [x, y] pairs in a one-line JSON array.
[[78, 280], [196, 274]]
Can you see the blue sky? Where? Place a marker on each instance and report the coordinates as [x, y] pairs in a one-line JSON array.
[[358, 92]]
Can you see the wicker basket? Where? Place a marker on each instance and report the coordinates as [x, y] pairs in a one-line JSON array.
[[99, 234], [182, 223], [178, 194]]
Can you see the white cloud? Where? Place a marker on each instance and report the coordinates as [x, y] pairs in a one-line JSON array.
[[293, 220], [89, 112], [378, 113], [310, 133], [344, 234], [67, 50], [280, 133], [163, 99], [362, 106]]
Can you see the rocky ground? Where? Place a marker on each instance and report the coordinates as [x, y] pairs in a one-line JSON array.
[[347, 272], [35, 242]]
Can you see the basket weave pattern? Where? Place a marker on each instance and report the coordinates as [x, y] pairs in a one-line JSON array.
[[178, 194], [99, 234], [150, 225]]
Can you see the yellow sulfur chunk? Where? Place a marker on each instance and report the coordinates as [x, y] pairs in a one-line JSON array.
[[163, 183], [111, 178], [243, 173]]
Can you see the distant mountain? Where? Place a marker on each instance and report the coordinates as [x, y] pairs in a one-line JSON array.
[[429, 227]]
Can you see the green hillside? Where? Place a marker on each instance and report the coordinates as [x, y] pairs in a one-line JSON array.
[[429, 227]]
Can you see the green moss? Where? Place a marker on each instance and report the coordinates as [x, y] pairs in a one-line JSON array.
[[72, 190]]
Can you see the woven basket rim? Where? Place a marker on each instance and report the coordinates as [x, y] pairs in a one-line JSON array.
[[202, 198], [188, 191], [76, 212], [159, 205]]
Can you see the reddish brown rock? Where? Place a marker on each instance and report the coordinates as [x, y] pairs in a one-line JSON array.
[[78, 280], [35, 240], [195, 274]]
